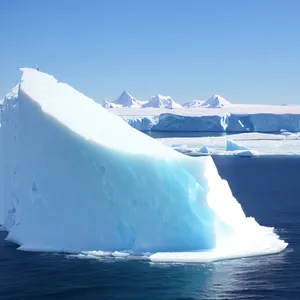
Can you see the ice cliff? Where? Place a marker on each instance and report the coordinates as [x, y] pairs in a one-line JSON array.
[[229, 122], [75, 177]]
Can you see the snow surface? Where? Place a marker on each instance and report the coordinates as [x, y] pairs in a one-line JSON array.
[[160, 101], [75, 177], [216, 101]]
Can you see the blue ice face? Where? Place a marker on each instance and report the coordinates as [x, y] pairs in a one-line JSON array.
[[78, 195]]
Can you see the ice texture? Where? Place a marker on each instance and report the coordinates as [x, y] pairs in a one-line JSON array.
[[76, 177], [235, 118]]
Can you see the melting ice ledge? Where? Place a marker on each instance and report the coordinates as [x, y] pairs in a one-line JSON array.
[[235, 118], [76, 178]]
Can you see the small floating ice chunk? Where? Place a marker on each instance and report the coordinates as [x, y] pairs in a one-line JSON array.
[[120, 254], [233, 146]]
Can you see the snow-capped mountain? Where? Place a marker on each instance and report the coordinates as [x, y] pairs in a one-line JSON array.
[[193, 104], [126, 100], [215, 101], [160, 101]]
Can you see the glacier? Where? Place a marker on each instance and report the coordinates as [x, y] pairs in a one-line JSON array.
[[77, 178], [234, 118]]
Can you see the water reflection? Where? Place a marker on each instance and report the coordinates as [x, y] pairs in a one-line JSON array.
[[232, 279]]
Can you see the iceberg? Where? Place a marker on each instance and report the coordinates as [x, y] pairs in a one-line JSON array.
[[77, 178], [227, 122], [234, 146], [203, 150]]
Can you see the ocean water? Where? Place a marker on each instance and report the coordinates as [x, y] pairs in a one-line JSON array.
[[268, 189]]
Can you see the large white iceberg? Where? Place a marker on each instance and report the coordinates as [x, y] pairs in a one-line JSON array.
[[75, 177], [227, 122]]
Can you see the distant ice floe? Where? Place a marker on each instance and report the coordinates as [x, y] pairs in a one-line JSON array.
[[244, 144], [124, 100]]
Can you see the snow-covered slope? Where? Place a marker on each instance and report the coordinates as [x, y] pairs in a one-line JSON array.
[[160, 101], [215, 101], [193, 104], [76, 177]]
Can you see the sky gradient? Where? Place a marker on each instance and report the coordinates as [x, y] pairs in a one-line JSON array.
[[246, 51]]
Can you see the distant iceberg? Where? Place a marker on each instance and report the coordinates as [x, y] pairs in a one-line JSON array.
[[227, 122], [77, 178]]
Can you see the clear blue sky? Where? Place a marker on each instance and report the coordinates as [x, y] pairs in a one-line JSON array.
[[247, 51]]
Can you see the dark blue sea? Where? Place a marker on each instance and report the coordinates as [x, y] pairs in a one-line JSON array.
[[268, 189]]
